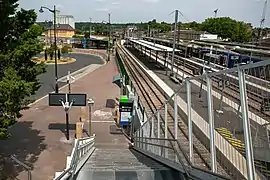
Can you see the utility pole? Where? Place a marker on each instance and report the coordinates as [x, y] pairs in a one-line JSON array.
[[90, 27], [109, 42], [178, 34], [148, 30], [262, 21], [174, 39], [216, 11], [55, 49]]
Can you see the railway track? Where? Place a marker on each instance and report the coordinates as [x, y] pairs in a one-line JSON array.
[[153, 99], [232, 92], [215, 82]]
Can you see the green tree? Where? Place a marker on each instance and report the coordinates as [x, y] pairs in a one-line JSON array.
[[226, 27], [192, 25], [18, 73], [65, 50]]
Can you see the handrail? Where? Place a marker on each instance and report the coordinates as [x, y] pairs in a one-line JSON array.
[[164, 146], [23, 165], [71, 170], [64, 174]]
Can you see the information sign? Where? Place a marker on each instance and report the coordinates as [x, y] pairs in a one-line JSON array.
[[125, 109]]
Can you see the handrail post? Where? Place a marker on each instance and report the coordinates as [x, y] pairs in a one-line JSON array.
[[152, 127], [246, 126], [23, 165], [166, 128], [143, 114], [175, 116], [158, 129], [190, 137], [211, 123]]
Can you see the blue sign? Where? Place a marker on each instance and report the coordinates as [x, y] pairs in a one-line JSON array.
[[125, 109]]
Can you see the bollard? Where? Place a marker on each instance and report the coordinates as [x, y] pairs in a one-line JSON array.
[[117, 116], [83, 113], [79, 130]]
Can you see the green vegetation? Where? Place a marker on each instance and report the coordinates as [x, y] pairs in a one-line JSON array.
[[226, 27], [65, 50], [18, 73]]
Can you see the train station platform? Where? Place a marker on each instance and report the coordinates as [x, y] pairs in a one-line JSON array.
[[230, 117], [38, 138], [107, 155]]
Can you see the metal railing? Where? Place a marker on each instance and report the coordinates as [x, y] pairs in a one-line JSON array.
[[29, 175], [83, 148], [204, 104]]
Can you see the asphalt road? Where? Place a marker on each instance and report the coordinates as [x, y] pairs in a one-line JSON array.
[[47, 79]]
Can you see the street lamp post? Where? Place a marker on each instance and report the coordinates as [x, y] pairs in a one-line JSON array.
[[109, 45], [55, 45], [108, 48], [174, 41], [90, 104]]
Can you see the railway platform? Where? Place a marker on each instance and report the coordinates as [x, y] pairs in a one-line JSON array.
[[177, 132], [230, 118], [107, 155]]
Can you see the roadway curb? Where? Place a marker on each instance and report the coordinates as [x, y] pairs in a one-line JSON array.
[[101, 65]]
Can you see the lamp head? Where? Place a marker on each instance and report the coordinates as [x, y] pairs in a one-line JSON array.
[[41, 10]]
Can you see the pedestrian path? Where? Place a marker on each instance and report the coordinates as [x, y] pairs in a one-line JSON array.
[[37, 136]]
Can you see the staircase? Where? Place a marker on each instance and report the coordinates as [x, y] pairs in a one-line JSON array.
[[124, 164]]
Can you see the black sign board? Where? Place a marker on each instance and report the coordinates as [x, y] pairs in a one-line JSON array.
[[56, 99], [77, 99]]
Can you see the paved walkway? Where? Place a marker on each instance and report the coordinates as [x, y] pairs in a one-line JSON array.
[[37, 136]]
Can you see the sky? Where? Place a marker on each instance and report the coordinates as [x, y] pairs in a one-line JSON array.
[[123, 11]]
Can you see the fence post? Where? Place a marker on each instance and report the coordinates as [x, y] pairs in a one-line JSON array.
[[166, 128], [246, 125], [158, 130], [152, 133], [211, 123], [175, 116], [152, 127], [190, 137]]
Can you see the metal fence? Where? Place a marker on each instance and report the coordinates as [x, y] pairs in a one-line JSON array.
[[222, 117]]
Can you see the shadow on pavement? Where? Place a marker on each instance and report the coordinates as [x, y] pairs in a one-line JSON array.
[[25, 144], [61, 127]]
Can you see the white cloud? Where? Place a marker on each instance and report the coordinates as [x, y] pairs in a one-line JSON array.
[[59, 6], [115, 3], [100, 0], [115, 7], [102, 9], [152, 1]]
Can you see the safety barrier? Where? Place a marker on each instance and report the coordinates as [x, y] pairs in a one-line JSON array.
[[82, 150], [215, 97]]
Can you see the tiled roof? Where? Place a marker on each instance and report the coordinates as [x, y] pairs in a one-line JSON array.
[[62, 27]]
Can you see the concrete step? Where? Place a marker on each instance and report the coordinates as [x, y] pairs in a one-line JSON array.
[[129, 175], [120, 159], [116, 164]]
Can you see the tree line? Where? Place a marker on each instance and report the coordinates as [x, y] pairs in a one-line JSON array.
[[18, 73], [224, 27]]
